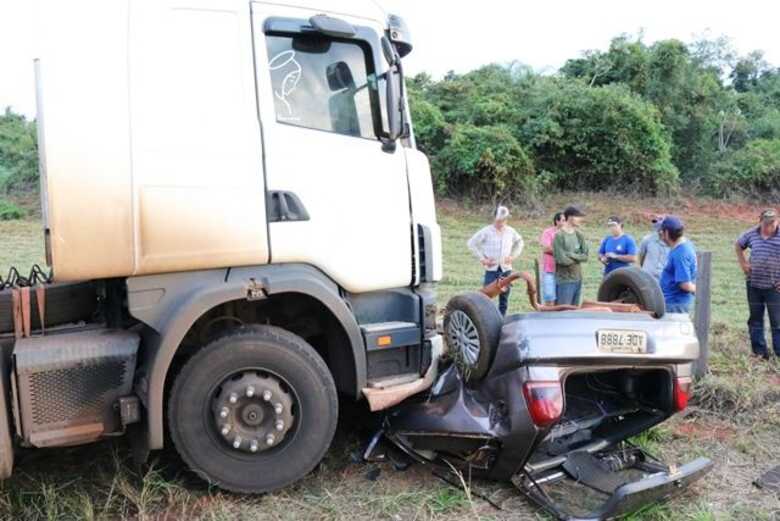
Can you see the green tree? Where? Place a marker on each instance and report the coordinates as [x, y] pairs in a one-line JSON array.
[[603, 138], [753, 171], [18, 153], [485, 163]]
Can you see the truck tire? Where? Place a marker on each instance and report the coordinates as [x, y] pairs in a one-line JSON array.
[[66, 302], [254, 410], [472, 329], [633, 286]]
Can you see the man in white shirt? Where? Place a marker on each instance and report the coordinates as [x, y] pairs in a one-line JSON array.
[[497, 246]]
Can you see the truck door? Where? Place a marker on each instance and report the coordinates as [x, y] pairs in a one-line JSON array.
[[337, 198]]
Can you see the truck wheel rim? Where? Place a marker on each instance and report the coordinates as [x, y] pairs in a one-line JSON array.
[[253, 411], [464, 337]]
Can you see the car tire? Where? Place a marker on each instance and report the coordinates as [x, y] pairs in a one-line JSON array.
[[472, 329], [234, 439], [66, 302], [633, 286]]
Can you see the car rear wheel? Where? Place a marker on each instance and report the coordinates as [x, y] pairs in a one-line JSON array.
[[633, 286], [472, 328], [254, 410]]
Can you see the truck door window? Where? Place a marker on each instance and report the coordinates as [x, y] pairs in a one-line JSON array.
[[324, 84]]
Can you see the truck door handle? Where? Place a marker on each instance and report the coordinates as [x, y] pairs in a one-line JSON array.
[[285, 207]]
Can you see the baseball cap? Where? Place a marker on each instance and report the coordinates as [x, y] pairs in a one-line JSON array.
[[614, 221], [769, 214], [502, 213], [672, 224]]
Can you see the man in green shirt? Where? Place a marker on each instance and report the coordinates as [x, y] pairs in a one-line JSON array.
[[570, 250]]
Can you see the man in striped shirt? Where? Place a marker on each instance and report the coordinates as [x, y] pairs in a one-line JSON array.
[[762, 271], [496, 246]]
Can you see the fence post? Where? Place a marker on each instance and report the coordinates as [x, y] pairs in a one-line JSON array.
[[538, 276], [702, 314]]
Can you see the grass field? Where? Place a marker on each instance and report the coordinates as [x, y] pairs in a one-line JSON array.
[[735, 419]]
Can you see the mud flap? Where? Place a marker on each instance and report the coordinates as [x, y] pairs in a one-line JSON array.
[[601, 489]]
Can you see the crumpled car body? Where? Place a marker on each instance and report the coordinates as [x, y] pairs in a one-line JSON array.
[[554, 414]]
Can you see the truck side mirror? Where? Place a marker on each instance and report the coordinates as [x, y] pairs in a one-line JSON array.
[[399, 34], [393, 95], [393, 104]]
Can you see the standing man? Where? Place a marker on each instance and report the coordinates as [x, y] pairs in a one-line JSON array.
[[618, 250], [653, 251], [763, 280], [570, 251], [548, 259], [678, 279], [497, 246]]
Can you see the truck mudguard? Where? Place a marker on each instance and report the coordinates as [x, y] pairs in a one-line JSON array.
[[170, 304]]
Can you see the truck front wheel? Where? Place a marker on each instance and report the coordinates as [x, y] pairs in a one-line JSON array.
[[254, 410]]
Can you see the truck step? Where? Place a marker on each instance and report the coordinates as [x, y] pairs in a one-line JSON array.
[[393, 381], [388, 335]]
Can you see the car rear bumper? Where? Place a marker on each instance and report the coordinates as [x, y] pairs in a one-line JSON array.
[[661, 486], [634, 495]]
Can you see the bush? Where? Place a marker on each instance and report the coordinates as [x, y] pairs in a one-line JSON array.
[[18, 153], [577, 136], [9, 211], [430, 128], [750, 171], [485, 163], [603, 138]]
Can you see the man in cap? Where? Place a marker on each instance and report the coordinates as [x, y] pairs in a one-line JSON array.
[[570, 250], [618, 249], [653, 251], [496, 246], [678, 278], [762, 272]]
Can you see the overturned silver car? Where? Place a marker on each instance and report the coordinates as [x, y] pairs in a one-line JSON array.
[[550, 399]]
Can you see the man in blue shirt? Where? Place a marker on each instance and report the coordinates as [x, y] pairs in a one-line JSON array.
[[618, 249], [678, 280], [762, 272]]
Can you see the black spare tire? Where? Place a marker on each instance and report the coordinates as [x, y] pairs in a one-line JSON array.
[[633, 286], [472, 329]]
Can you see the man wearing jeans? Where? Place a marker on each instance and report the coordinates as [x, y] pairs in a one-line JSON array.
[[548, 260], [678, 279], [570, 250], [763, 280], [497, 246]]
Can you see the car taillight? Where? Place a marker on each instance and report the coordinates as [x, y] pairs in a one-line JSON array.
[[682, 392], [545, 402]]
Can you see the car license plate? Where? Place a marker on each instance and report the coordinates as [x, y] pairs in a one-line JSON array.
[[620, 341]]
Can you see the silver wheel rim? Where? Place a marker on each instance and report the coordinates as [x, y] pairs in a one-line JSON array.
[[253, 412], [463, 337]]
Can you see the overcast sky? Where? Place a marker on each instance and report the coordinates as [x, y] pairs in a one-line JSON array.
[[460, 36]]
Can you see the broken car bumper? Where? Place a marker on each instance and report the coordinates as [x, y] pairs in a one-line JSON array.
[[632, 496]]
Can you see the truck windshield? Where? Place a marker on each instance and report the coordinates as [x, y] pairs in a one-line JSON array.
[[325, 84]]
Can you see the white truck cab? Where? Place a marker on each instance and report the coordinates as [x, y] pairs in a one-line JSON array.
[[232, 191]]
